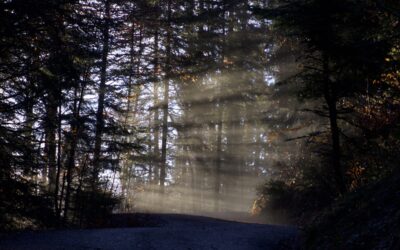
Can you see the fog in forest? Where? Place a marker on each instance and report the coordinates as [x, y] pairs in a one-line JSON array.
[[131, 113], [227, 132]]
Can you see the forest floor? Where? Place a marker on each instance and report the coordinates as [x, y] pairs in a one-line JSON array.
[[164, 231]]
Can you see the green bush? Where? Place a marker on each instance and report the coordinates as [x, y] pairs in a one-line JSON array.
[[92, 209]]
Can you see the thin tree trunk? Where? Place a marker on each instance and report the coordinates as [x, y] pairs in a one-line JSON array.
[[75, 131], [156, 129], [331, 100], [62, 193], [28, 129], [166, 102], [57, 183], [217, 185], [101, 97], [164, 136], [51, 126], [218, 163], [156, 126]]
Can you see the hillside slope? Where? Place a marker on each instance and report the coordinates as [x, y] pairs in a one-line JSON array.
[[366, 219]]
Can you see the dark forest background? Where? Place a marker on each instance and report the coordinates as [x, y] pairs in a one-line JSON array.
[[286, 109]]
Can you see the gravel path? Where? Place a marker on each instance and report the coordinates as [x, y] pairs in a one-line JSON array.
[[174, 232]]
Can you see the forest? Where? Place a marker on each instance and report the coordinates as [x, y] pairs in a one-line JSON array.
[[280, 111]]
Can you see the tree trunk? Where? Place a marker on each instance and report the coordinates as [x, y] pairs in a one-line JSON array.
[[28, 131], [164, 136], [50, 147], [101, 97], [58, 173], [220, 106], [156, 128], [331, 100], [166, 102], [156, 115], [75, 132]]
